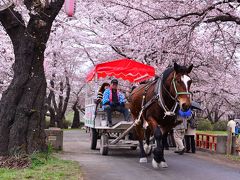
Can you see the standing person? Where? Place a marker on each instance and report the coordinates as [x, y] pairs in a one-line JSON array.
[[237, 129], [232, 124], [191, 134], [113, 100], [179, 131]]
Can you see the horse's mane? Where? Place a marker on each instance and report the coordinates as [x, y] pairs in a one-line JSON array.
[[166, 73]]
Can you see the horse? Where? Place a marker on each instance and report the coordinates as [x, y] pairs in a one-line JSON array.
[[157, 103]]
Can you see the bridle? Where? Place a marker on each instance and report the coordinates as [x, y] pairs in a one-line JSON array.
[[158, 97], [179, 92], [159, 90]]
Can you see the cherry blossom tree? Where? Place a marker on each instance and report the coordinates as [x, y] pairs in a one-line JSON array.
[[22, 104], [205, 33]]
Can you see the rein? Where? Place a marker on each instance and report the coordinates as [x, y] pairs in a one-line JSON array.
[[158, 91]]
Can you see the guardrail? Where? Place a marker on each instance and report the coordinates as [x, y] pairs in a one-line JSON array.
[[206, 141]]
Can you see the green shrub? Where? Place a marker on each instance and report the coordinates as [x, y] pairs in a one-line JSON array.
[[66, 124], [204, 125], [220, 126], [41, 158], [82, 124]]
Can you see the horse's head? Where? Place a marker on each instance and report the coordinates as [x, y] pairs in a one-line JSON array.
[[180, 85]]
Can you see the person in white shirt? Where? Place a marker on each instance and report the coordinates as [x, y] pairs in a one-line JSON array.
[[232, 125]]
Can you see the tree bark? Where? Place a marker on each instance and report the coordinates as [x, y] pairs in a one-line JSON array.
[[57, 112], [22, 107], [76, 117]]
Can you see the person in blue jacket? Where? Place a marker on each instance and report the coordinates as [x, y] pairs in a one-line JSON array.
[[113, 100], [237, 129]]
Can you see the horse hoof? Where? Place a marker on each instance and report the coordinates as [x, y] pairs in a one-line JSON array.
[[155, 164], [164, 164], [147, 149], [143, 160]]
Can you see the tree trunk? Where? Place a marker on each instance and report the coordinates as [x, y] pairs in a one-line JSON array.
[[22, 107], [63, 103], [52, 117], [76, 117]]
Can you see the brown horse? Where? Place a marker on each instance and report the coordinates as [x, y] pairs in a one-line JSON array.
[[161, 99]]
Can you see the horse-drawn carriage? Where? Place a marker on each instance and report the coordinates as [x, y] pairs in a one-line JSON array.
[[157, 103], [95, 116]]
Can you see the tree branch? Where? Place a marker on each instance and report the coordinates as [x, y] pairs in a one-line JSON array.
[[224, 18], [67, 96], [13, 23]]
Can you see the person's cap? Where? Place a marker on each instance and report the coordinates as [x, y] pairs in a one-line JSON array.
[[114, 81]]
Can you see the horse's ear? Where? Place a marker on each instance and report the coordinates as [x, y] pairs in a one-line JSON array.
[[190, 68], [176, 67]]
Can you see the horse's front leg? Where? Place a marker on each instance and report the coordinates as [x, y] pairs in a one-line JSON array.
[[158, 155], [140, 135]]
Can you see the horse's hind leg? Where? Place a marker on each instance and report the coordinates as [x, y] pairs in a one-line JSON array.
[[158, 156], [140, 134], [147, 146]]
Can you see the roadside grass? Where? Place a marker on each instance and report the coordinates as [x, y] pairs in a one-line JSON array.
[[213, 132], [44, 167], [233, 158]]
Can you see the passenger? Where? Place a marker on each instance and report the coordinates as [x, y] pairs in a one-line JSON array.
[[101, 91], [113, 100]]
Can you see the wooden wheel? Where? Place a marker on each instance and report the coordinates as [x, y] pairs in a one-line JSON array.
[[104, 144]]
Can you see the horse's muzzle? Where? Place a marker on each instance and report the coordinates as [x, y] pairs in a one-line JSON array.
[[185, 107]]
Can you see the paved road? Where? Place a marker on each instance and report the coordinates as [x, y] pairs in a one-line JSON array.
[[123, 164]]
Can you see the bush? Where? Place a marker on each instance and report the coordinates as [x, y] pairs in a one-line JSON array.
[[66, 124], [82, 124], [220, 126], [204, 125]]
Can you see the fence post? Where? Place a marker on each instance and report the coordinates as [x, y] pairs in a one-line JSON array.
[[207, 141], [229, 141], [234, 145]]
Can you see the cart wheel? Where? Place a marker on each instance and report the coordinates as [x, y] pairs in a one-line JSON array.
[[104, 144], [133, 147], [94, 137]]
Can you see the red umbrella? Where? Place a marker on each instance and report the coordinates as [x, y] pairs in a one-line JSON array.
[[125, 69]]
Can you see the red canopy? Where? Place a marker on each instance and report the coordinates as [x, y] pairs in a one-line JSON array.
[[125, 69]]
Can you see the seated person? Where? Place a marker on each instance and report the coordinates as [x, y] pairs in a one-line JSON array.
[[113, 100], [101, 91]]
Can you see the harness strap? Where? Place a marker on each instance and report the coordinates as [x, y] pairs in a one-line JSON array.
[[152, 100], [168, 112], [158, 97]]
